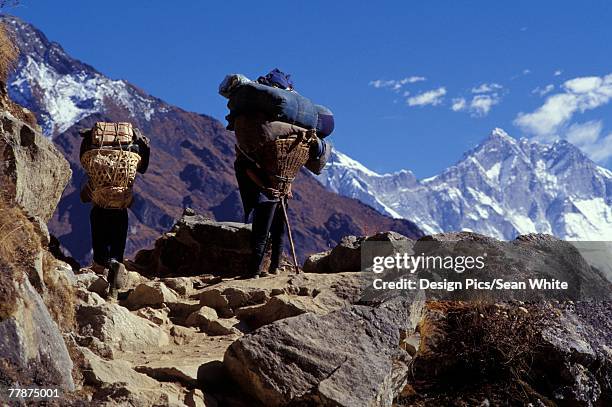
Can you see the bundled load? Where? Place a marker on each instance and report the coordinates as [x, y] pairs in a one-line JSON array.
[[287, 106], [111, 162], [112, 134], [260, 114]]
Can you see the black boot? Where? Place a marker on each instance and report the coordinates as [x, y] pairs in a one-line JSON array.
[[113, 271], [255, 268]]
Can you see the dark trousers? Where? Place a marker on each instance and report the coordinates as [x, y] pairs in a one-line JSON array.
[[108, 234], [268, 220]]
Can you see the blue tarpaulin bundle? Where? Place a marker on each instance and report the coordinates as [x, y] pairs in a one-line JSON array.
[[279, 104]]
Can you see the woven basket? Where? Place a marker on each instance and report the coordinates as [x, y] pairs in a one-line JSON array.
[[282, 159], [111, 176]]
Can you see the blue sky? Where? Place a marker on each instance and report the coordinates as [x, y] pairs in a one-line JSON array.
[[413, 84]]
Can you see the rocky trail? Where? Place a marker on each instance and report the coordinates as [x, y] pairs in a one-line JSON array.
[[178, 336], [187, 330]]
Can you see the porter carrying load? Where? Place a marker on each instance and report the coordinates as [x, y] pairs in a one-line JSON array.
[[111, 154], [111, 163], [278, 132]]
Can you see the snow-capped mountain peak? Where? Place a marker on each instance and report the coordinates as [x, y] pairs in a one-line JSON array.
[[503, 187], [61, 90]]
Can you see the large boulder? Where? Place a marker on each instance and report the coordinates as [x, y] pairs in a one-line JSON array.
[[347, 255], [350, 357], [36, 295], [33, 173], [117, 383], [198, 245], [153, 294], [31, 345], [118, 328]]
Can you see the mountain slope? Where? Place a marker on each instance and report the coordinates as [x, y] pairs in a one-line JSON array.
[[191, 163], [501, 188]]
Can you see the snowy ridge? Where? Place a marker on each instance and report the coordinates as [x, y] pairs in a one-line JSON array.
[[62, 91], [357, 187], [502, 188]]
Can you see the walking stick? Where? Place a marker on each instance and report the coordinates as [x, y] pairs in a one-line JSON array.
[[295, 262]]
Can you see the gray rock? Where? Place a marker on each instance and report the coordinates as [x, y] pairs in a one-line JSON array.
[[99, 286], [201, 316], [119, 328], [349, 357], [117, 383], [184, 371], [151, 294], [199, 245], [347, 255], [157, 316], [33, 172], [207, 320], [31, 341], [182, 285]]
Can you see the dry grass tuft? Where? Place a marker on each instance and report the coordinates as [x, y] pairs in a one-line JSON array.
[[8, 53], [473, 351], [60, 295], [19, 245]]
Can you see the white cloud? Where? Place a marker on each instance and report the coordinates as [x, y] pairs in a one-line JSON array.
[[396, 84], [459, 104], [487, 88], [414, 79], [526, 71], [553, 119], [584, 84], [584, 133], [485, 97], [588, 137], [579, 95], [379, 83], [432, 97], [543, 91], [482, 104], [600, 151], [557, 72]]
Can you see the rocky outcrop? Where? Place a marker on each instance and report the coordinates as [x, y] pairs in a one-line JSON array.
[[118, 328], [198, 245], [347, 255], [34, 288], [260, 302], [31, 342], [117, 383], [349, 357], [34, 173]]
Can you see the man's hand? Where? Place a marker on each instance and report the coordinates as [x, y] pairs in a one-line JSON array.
[[271, 193]]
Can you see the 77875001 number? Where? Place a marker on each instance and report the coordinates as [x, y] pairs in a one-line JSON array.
[[36, 393]]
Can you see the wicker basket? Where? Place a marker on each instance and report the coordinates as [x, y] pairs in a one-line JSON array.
[[111, 176], [282, 159]]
